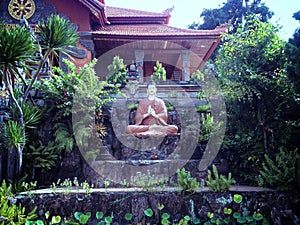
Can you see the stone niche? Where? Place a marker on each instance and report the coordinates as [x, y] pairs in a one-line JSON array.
[[120, 115], [166, 154], [122, 149]]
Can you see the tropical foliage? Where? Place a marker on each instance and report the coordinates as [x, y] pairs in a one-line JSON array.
[[12, 213], [55, 34], [233, 12], [117, 71], [77, 98], [250, 67], [279, 171], [159, 72]]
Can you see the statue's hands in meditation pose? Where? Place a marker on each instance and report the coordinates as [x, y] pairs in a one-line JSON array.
[[151, 116]]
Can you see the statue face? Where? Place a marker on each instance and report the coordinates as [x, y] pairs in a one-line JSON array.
[[151, 90]]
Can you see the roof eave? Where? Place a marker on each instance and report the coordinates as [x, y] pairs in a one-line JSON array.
[[97, 9], [155, 37], [136, 20]]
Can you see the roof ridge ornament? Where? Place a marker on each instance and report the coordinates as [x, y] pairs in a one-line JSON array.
[[224, 26], [168, 10]]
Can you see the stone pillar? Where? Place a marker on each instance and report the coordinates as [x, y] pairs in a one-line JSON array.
[[185, 55], [139, 60]]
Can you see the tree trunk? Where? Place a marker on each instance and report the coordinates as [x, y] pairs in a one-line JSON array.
[[1, 165], [18, 148], [11, 163]]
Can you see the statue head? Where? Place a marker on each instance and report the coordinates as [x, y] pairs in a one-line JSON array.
[[151, 88], [132, 68]]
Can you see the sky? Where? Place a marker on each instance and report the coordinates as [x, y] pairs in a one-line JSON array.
[[186, 12]]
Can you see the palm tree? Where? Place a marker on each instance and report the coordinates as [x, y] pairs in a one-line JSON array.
[[18, 46], [56, 34]]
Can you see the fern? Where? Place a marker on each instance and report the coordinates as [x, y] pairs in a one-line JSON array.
[[186, 182], [281, 171], [42, 156], [82, 134], [218, 183], [63, 137]]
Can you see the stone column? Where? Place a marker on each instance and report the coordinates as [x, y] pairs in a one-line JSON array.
[[185, 55], [139, 60]]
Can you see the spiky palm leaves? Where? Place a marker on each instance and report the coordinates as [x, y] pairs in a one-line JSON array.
[[18, 47], [56, 34]]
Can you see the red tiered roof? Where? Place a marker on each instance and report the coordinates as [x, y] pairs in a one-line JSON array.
[[116, 27], [155, 30], [117, 15]]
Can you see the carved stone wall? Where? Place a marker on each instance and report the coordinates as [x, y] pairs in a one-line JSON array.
[[278, 208]]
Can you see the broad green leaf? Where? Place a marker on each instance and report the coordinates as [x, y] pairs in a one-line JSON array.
[[187, 218], [236, 215], [108, 219], [165, 216], [39, 222], [164, 221], [84, 218], [148, 212], [257, 216], [99, 215], [128, 216], [227, 211], [55, 219], [77, 215], [196, 221], [237, 198], [241, 220], [160, 206]]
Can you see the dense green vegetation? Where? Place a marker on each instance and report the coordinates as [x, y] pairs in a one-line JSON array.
[[259, 96], [233, 12], [258, 74], [259, 78]]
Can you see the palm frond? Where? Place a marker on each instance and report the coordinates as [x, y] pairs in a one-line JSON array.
[[16, 46], [57, 33], [32, 114], [13, 134]]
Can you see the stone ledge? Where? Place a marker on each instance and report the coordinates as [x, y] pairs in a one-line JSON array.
[[117, 202]]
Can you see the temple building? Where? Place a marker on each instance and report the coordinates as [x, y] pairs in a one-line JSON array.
[[139, 37]]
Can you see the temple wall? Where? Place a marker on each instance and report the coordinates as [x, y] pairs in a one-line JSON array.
[[76, 12]]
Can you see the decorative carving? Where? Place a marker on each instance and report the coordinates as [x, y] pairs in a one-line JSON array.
[[42, 10], [77, 52], [21, 9], [139, 58], [186, 64], [88, 44], [132, 87]]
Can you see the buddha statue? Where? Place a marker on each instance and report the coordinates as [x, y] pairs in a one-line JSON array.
[[151, 116]]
